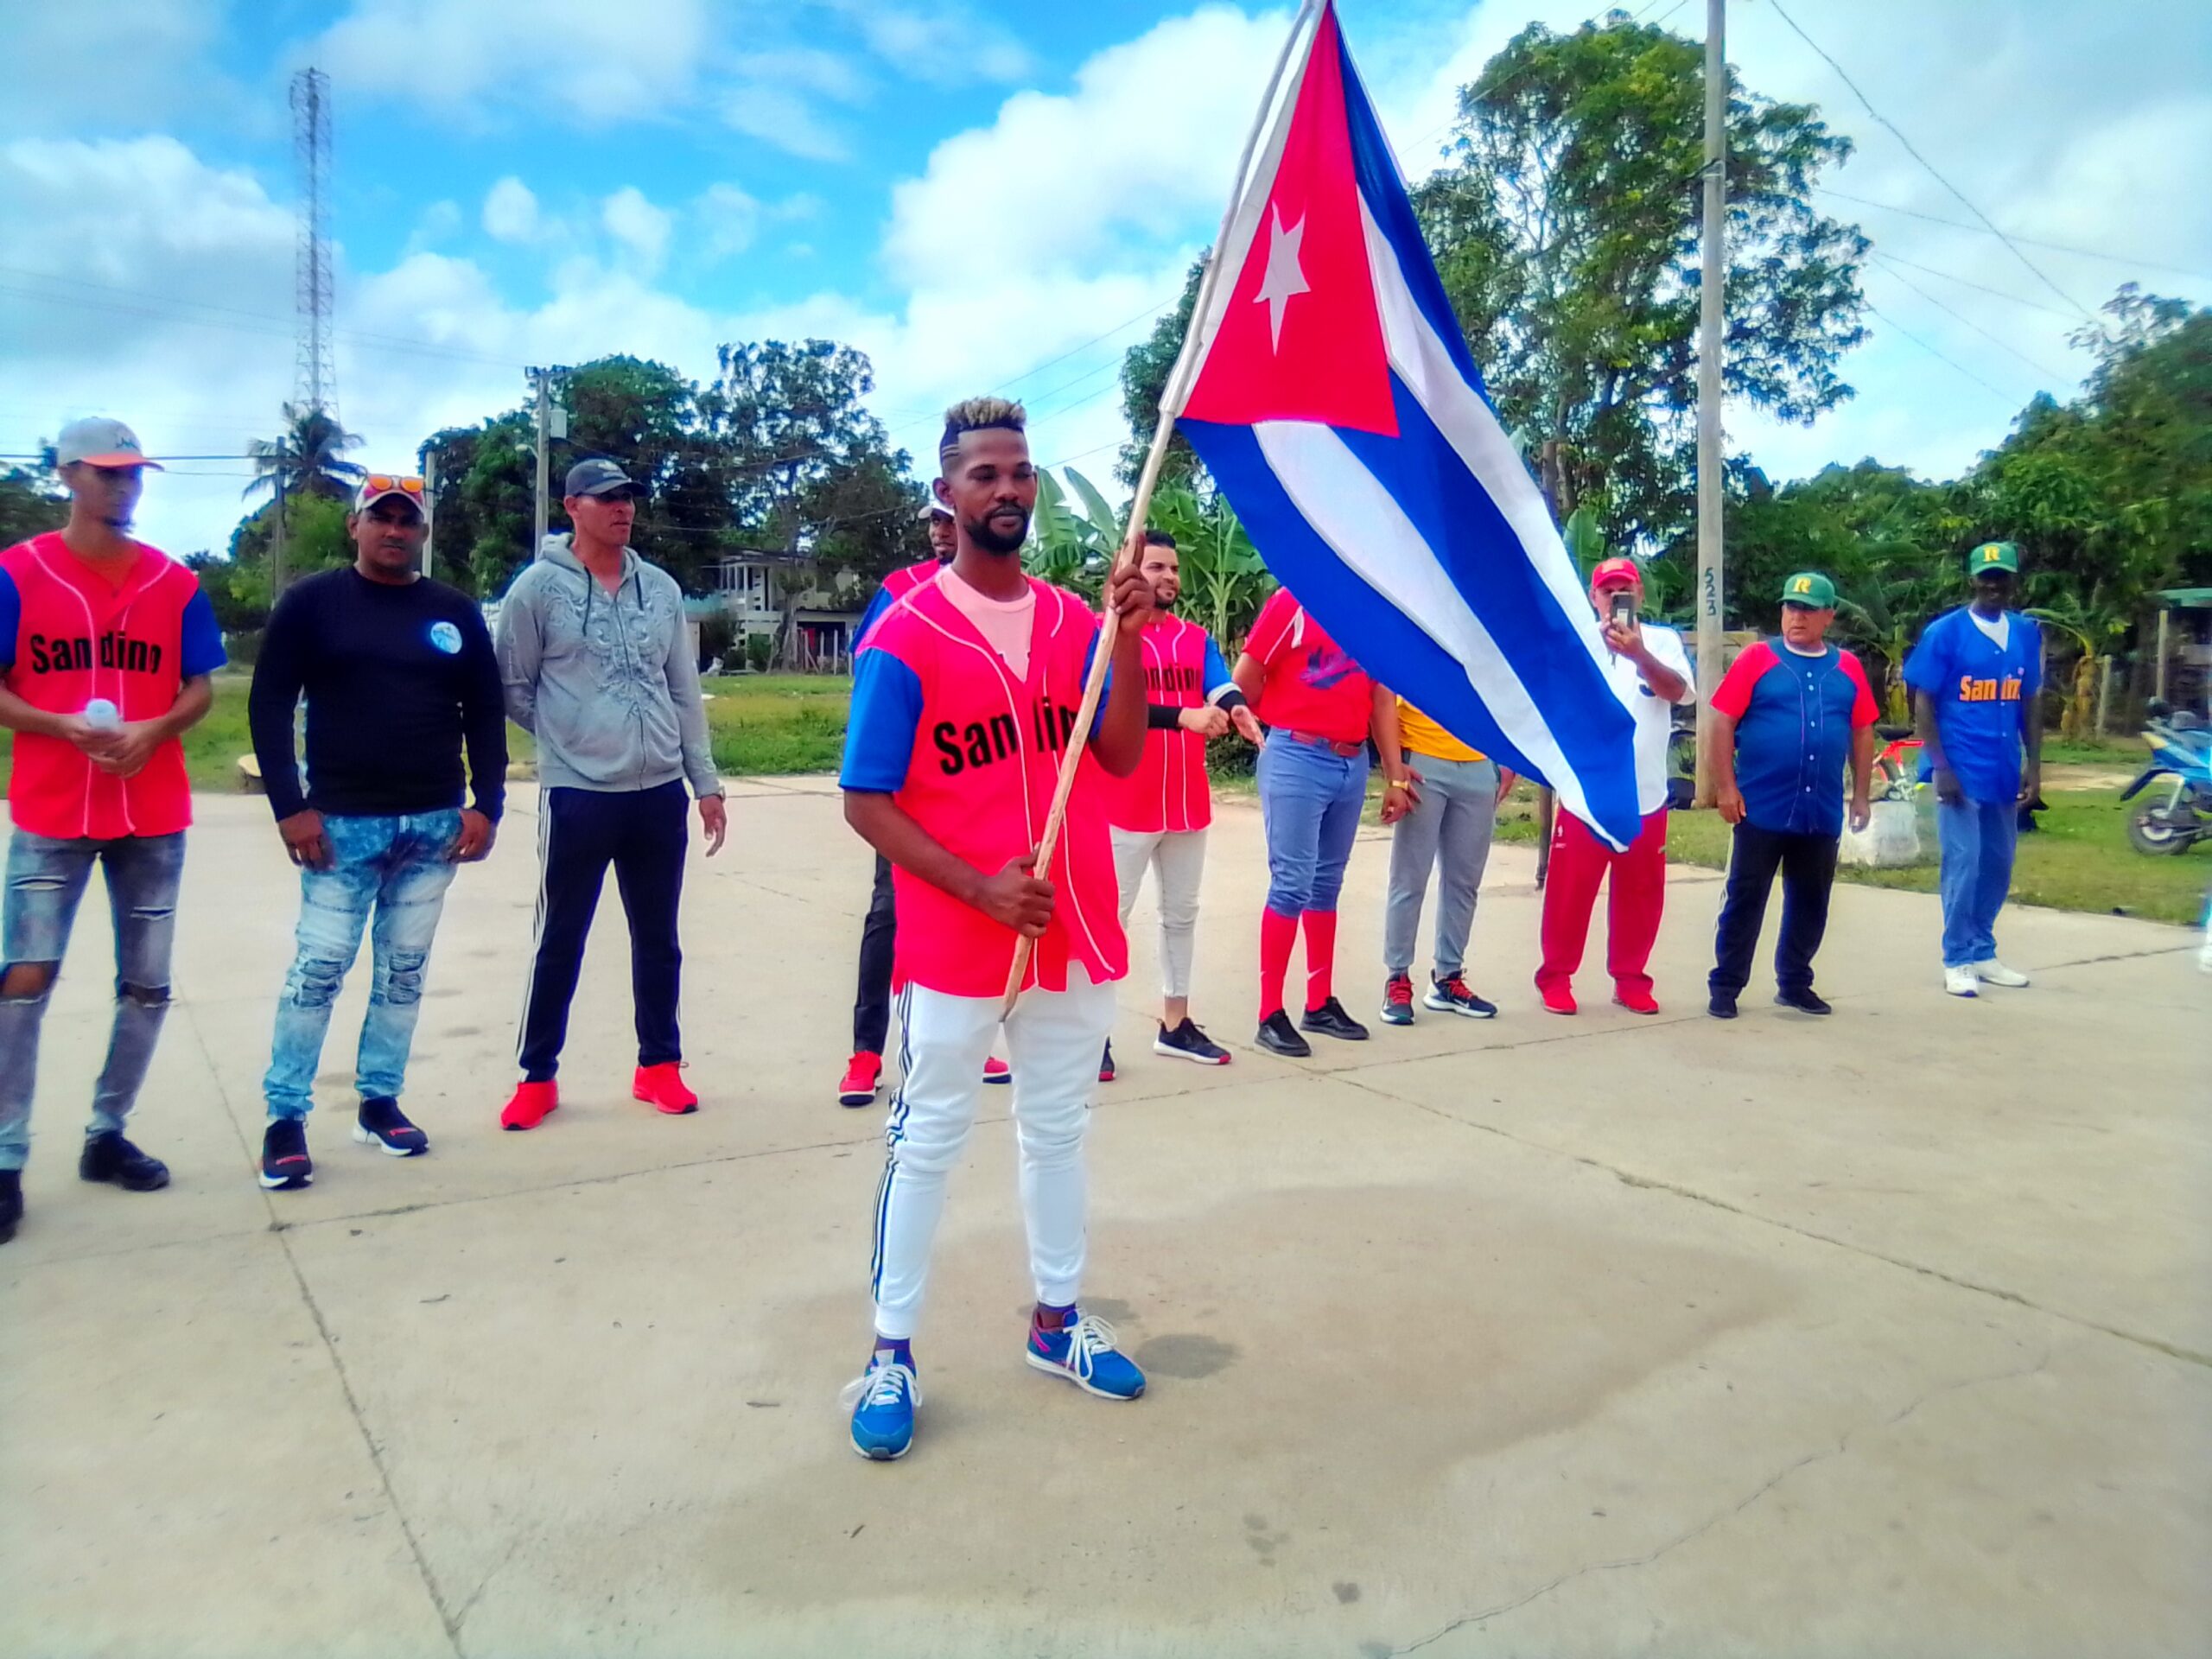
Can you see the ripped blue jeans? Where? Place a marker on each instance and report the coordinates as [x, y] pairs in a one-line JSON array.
[[399, 869], [46, 881]]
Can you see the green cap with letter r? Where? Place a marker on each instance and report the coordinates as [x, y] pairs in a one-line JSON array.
[[1809, 588], [1994, 556]]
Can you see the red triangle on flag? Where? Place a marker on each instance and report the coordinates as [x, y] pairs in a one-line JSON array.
[[1300, 339]]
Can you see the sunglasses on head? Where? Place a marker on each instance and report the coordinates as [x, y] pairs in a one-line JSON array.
[[384, 483]]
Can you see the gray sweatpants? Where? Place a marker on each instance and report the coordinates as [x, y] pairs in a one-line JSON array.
[[1456, 810]]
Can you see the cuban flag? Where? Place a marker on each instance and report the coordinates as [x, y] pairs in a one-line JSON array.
[[1327, 386]]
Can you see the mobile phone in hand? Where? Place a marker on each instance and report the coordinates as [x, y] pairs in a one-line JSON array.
[[1623, 610]]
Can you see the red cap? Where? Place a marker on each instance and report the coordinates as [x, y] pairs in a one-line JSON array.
[[1614, 572]]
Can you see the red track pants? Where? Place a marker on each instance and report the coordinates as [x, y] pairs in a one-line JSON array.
[[1579, 863]]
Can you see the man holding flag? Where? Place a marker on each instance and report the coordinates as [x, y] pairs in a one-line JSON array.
[[1327, 385], [964, 702]]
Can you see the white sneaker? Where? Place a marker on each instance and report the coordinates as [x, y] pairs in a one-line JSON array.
[[1994, 972], [1959, 981]]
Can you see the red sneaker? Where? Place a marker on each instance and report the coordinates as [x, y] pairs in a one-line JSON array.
[[532, 1105], [861, 1079], [661, 1087], [997, 1071], [1635, 1001], [1557, 999]]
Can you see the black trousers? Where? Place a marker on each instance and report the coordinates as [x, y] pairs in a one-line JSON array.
[[1808, 866], [642, 833], [872, 1006]]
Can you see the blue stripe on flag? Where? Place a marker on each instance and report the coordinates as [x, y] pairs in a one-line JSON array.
[[1586, 719], [1385, 195]]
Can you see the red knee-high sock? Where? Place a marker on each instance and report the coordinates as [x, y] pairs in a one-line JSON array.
[[1321, 957], [1278, 932]]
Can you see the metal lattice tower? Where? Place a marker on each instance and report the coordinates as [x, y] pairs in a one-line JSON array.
[[316, 385]]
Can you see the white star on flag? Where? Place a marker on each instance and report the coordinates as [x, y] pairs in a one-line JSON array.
[[1283, 277]]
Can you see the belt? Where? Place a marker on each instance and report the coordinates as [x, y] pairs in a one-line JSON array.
[[1342, 750]]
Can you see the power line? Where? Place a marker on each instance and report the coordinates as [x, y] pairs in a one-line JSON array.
[[1979, 287], [2029, 241], [1899, 136], [1874, 310], [2039, 368]]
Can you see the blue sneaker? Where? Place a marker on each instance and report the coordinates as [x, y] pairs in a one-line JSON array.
[[1085, 1354], [883, 1398]]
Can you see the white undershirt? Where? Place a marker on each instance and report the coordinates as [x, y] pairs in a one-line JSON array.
[[1998, 632], [1800, 650]]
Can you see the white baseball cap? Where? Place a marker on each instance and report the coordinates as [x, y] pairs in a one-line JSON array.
[[101, 443], [931, 509]]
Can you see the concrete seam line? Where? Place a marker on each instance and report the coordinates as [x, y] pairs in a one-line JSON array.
[[1824, 1455], [337, 1364], [1628, 1178]]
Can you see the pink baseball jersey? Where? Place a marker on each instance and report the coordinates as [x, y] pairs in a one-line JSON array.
[[984, 754], [1169, 790]]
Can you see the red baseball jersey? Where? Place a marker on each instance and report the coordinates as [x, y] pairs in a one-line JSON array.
[[972, 752], [1169, 790], [1313, 686], [77, 638]]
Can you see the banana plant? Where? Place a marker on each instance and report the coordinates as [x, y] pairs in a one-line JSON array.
[[1224, 580]]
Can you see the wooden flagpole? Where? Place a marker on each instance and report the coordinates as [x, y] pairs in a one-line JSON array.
[[1176, 393]]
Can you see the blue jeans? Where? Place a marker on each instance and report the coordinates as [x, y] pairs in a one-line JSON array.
[[399, 868], [1310, 801], [46, 880], [1978, 838]]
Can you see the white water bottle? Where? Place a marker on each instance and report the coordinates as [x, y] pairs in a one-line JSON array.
[[102, 715]]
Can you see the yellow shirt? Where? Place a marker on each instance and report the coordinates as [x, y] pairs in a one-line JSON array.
[[1417, 732]]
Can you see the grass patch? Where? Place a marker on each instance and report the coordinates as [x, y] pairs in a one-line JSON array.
[[757, 723], [2078, 860]]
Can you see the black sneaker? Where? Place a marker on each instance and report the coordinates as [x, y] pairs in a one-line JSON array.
[[1721, 1006], [1808, 1000], [109, 1157], [1451, 997], [1187, 1042], [1278, 1036], [1106, 1063], [285, 1166], [383, 1124], [1331, 1021], [11, 1202]]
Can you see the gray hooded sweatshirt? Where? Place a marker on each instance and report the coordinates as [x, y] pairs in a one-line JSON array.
[[605, 681]]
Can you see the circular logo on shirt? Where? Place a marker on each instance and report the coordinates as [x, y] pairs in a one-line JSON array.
[[446, 638]]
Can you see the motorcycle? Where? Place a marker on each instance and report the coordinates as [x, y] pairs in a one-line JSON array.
[[2177, 813]]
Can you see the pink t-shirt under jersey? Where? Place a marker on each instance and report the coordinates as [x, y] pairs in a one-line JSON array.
[[1005, 624]]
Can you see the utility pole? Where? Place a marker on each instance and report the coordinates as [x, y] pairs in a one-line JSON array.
[[430, 502], [1711, 297], [543, 380], [277, 548]]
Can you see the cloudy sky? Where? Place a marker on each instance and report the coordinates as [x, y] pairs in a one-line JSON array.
[[980, 194]]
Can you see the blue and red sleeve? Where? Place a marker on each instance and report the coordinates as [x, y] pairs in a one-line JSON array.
[[1733, 694], [1865, 711], [200, 643], [11, 621], [886, 715]]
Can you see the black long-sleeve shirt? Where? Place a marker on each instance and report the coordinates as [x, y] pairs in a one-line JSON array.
[[397, 680]]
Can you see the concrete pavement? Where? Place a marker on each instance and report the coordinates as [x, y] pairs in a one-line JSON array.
[[1887, 1333]]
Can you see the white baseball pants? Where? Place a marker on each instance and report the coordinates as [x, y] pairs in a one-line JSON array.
[[1053, 1039], [1180, 858]]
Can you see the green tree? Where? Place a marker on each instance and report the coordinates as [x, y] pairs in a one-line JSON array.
[[32, 502], [1145, 368], [307, 459], [1224, 582], [1564, 227]]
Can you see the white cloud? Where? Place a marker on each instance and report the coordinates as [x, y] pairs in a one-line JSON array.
[[136, 71], [778, 116], [638, 225], [511, 212], [944, 45], [591, 62], [805, 69], [727, 219]]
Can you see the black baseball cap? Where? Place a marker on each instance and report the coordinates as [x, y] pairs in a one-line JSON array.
[[596, 477]]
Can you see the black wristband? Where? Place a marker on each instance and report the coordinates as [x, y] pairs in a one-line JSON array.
[[1160, 717]]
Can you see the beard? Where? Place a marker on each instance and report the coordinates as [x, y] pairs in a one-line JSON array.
[[991, 539]]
